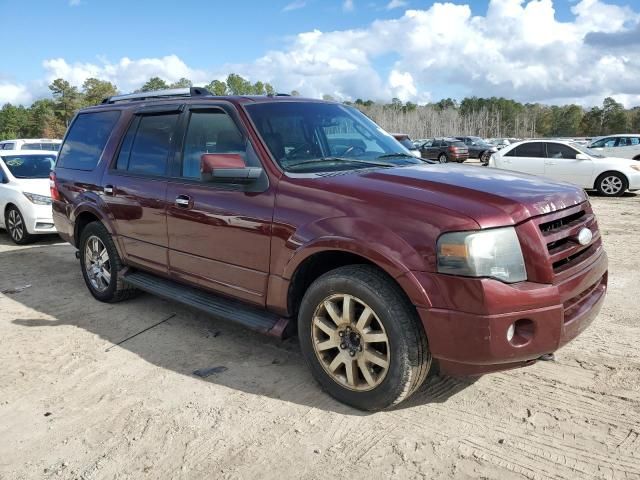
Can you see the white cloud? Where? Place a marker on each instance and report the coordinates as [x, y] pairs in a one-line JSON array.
[[516, 49], [348, 6], [74, 3], [295, 5], [396, 4], [14, 93]]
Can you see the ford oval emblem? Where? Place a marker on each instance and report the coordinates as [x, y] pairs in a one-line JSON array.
[[585, 236]]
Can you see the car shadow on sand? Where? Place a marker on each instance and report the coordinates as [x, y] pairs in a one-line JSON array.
[[185, 342]]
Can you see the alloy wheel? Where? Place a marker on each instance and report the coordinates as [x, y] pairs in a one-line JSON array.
[[350, 342], [97, 264], [611, 185], [15, 225], [442, 158]]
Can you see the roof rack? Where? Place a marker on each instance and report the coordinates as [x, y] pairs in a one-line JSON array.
[[168, 93]]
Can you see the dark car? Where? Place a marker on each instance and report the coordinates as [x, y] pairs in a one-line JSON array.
[[479, 148], [406, 142], [289, 215], [444, 150]]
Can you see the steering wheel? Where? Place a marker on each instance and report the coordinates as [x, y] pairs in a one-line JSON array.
[[306, 149], [353, 149]]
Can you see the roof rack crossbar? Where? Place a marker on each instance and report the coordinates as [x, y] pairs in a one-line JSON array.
[[167, 93]]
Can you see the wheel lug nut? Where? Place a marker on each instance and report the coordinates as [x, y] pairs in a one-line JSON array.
[[343, 346], [360, 348], [341, 333], [352, 353]]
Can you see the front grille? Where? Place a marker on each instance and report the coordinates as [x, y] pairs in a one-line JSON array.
[[574, 305], [558, 232]]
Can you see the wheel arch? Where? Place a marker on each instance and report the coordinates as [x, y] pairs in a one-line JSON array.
[[83, 215], [606, 172]]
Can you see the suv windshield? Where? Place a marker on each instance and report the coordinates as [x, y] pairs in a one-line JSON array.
[[29, 166], [314, 137], [588, 151]]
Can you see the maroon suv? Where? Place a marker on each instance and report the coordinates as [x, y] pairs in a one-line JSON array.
[[290, 215]]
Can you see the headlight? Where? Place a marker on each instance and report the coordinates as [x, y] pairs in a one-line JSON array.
[[37, 199], [494, 253], [636, 167]]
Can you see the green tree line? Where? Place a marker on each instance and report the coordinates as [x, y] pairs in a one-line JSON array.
[[49, 117]]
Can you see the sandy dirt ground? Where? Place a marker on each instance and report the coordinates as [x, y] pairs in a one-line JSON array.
[[73, 405]]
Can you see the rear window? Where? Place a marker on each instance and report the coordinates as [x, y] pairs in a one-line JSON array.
[[52, 147], [458, 144], [86, 139]]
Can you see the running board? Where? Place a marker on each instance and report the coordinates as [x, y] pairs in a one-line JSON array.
[[231, 310]]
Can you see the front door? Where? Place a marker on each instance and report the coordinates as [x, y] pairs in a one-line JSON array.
[[219, 234], [561, 164], [528, 157], [135, 187]]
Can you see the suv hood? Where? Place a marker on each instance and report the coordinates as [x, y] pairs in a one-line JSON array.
[[490, 197]]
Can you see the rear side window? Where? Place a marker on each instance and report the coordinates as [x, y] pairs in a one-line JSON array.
[[531, 149], [86, 139], [147, 144], [458, 144]]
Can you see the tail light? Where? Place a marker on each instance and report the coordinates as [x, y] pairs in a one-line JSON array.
[[53, 187], [453, 149]]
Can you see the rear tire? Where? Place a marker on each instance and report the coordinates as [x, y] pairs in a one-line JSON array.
[[17, 228], [101, 265], [612, 184], [362, 338], [442, 158]]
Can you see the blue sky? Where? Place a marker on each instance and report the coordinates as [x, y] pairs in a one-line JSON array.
[[211, 38]]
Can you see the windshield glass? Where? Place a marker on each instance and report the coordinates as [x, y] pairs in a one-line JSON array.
[[406, 143], [314, 137], [588, 151], [29, 166]]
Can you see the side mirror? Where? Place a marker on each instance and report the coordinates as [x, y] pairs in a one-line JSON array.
[[581, 156], [227, 168]]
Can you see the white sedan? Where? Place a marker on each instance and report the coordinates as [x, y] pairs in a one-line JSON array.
[[571, 163], [25, 198]]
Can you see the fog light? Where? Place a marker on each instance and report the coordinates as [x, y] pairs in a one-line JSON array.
[[511, 331]]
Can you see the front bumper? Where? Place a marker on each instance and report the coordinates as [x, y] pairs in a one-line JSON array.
[[466, 343], [38, 218]]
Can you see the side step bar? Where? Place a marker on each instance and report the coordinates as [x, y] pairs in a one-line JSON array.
[[250, 317]]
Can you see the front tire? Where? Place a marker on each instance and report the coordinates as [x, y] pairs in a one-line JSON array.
[[101, 265], [362, 338], [612, 184], [17, 228]]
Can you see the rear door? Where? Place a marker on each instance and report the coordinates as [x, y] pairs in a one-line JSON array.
[[219, 233], [561, 164], [135, 186], [425, 149], [526, 157]]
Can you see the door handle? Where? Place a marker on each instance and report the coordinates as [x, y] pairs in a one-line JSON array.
[[183, 201], [108, 189]]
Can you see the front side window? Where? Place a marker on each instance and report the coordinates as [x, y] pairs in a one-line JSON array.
[[147, 144], [633, 141], [604, 143], [558, 150], [211, 131], [29, 166], [86, 140], [313, 137]]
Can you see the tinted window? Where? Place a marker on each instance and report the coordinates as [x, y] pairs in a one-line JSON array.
[[558, 150], [437, 143], [458, 144], [633, 141], [86, 139], [29, 166], [53, 147], [147, 144], [9, 146], [210, 131], [530, 149]]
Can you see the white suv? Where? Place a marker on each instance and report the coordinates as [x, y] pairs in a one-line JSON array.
[[25, 198], [48, 144], [623, 146], [571, 163]]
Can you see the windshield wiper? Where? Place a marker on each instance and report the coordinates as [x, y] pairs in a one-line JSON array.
[[400, 154], [342, 159]]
